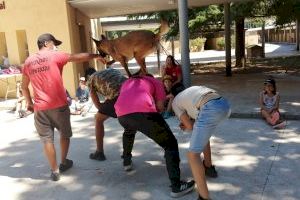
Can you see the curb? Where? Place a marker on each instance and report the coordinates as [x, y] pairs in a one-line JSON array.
[[285, 116]]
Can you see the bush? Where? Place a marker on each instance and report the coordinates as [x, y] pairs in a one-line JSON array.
[[220, 43], [197, 44]]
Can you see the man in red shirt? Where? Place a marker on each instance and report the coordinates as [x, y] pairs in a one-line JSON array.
[[44, 71]]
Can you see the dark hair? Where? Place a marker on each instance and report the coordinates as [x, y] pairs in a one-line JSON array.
[[272, 82], [172, 60]]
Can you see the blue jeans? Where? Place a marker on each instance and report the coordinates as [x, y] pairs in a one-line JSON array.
[[209, 117]]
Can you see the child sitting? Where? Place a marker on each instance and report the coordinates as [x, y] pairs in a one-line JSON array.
[[171, 92], [269, 103]]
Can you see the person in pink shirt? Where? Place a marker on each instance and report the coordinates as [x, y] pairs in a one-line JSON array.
[[140, 100], [44, 71]]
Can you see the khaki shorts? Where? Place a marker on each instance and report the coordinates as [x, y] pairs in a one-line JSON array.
[[46, 120]]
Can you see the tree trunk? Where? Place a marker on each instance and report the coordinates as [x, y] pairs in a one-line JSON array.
[[239, 42]]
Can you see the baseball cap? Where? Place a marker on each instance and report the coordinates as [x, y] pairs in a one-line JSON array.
[[82, 79], [46, 37]]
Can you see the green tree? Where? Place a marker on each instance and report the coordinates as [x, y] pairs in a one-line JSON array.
[[241, 11], [286, 11]]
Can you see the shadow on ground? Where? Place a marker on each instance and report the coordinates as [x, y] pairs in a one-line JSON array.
[[253, 161]]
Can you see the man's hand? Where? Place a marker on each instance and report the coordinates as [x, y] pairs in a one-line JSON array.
[[101, 59], [30, 107], [186, 123], [182, 126]]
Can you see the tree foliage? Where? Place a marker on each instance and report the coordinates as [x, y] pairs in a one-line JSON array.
[[205, 20], [286, 11]]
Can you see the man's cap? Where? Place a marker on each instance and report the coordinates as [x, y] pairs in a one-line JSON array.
[[46, 37], [82, 79]]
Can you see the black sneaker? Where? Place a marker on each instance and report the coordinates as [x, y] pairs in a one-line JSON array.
[[65, 166], [97, 155], [210, 171], [182, 189], [127, 164], [55, 176]]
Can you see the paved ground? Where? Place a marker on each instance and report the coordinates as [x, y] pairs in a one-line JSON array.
[[271, 50], [243, 90], [254, 162]]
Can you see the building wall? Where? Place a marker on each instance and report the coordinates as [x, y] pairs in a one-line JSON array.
[[23, 21]]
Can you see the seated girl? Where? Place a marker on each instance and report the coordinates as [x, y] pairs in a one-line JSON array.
[[269, 103]]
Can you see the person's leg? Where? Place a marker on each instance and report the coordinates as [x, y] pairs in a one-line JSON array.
[[64, 148], [128, 141], [154, 126], [207, 155], [266, 115], [61, 120], [198, 173], [105, 111], [45, 130], [50, 153], [210, 116], [169, 106], [99, 135], [23, 104], [99, 130]]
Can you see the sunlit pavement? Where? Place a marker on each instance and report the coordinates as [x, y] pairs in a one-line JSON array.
[[253, 160]]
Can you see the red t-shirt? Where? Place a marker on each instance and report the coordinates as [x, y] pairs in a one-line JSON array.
[[174, 72], [44, 69]]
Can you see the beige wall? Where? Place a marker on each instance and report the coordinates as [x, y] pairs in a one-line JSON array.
[[23, 21]]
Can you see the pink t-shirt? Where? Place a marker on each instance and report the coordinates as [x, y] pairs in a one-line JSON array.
[[44, 69], [138, 95]]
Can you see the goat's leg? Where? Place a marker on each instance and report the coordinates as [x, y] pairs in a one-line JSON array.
[[142, 63], [124, 64]]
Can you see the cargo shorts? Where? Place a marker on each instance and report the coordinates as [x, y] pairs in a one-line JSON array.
[[46, 120]]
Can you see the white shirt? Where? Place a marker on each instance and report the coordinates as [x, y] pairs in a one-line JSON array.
[[188, 99]]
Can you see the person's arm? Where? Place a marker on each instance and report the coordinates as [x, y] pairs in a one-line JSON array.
[[276, 108], [261, 102], [179, 76], [163, 71], [186, 123], [159, 94], [26, 92], [160, 105], [83, 57]]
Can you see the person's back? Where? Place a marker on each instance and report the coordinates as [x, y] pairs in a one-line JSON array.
[[44, 70], [139, 95]]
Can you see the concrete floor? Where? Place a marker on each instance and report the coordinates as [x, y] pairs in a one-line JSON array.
[[253, 160]]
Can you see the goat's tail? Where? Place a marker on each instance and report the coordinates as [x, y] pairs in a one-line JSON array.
[[163, 29]]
